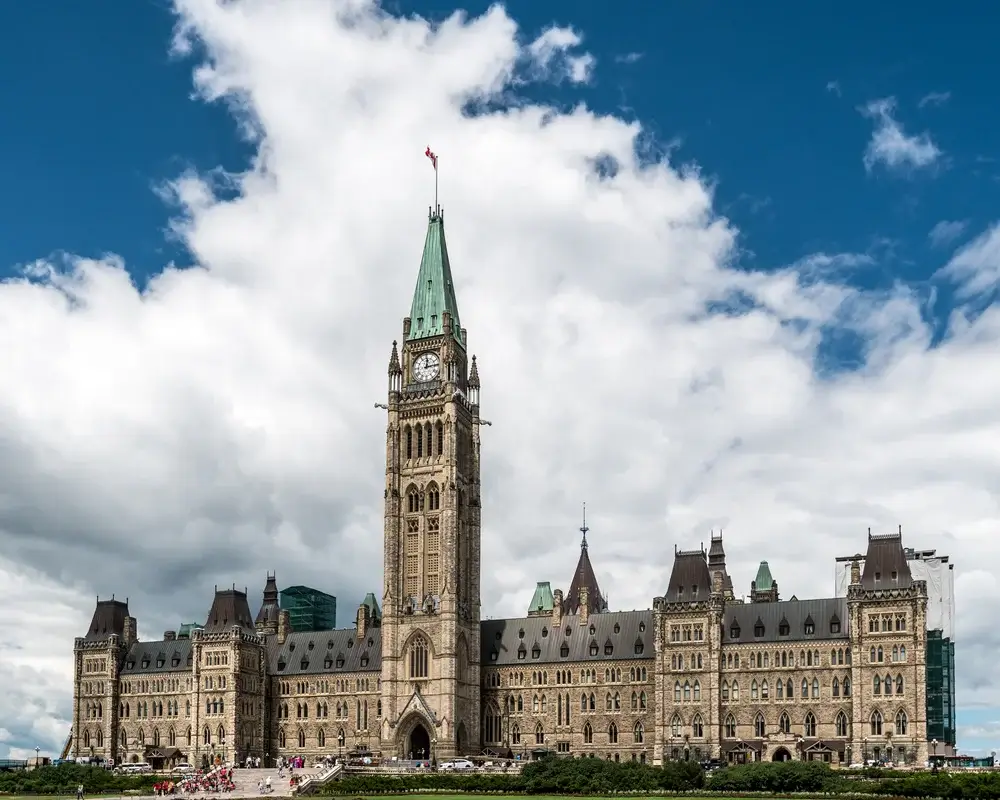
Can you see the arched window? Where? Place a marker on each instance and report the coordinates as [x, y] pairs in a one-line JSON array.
[[341, 738], [156, 737], [805, 689], [222, 735], [809, 726], [677, 691], [412, 500], [846, 686], [842, 724], [888, 683], [638, 733], [515, 734], [899, 684], [763, 690], [687, 691], [642, 698], [697, 727], [539, 734], [408, 441], [675, 725], [730, 727], [784, 723], [588, 734], [759, 726], [206, 736], [418, 657], [901, 723], [876, 723], [835, 688], [321, 737], [123, 737], [302, 738], [754, 691], [187, 735], [815, 689], [789, 690], [612, 734], [725, 690], [734, 691], [779, 687]]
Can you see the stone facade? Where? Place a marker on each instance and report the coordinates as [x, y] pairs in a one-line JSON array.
[[701, 674]]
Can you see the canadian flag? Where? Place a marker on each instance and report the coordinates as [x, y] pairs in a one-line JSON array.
[[434, 159]]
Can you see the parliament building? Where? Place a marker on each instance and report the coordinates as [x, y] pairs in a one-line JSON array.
[[704, 673]]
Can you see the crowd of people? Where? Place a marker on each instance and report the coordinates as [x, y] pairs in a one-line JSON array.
[[215, 781]]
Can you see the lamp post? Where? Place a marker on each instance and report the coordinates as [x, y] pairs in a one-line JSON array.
[[934, 744], [433, 751], [37, 749], [864, 751]]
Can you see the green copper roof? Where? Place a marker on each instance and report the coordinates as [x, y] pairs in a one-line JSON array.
[[764, 581], [435, 290], [372, 604], [542, 599]]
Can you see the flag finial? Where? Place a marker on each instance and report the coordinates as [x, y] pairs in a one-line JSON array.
[[434, 162]]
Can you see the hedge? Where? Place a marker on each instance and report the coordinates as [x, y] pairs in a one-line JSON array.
[[596, 777], [64, 779]]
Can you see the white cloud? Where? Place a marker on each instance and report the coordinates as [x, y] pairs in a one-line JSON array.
[[934, 99], [220, 422], [947, 231], [975, 267], [834, 87], [891, 147], [550, 53], [628, 58]]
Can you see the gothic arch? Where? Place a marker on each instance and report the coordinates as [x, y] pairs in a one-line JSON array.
[[418, 654], [462, 654], [414, 734]]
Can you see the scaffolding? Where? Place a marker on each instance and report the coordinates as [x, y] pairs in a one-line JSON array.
[[309, 609]]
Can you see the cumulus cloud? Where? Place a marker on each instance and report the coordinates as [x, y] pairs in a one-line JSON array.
[[219, 421], [934, 99], [947, 231], [891, 147]]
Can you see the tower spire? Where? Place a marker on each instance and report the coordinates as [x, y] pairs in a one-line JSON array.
[[434, 294], [584, 528]]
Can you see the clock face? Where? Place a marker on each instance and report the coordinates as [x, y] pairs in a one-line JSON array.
[[426, 367]]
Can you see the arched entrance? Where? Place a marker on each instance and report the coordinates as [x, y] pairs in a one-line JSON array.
[[418, 745], [781, 754]]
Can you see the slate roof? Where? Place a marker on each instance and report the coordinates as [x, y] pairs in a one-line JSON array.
[[886, 557], [109, 618], [629, 634], [144, 658], [689, 578], [584, 576], [325, 652], [434, 293], [797, 613], [229, 609]]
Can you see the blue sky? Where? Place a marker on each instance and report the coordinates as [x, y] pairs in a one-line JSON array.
[[775, 106]]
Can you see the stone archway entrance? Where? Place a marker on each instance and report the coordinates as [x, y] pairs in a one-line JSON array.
[[781, 754], [418, 743]]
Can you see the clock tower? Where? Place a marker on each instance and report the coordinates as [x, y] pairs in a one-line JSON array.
[[430, 623]]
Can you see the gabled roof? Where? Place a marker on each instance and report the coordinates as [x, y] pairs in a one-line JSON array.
[[584, 576], [109, 619], [542, 599], [689, 578], [885, 563], [769, 619], [229, 609], [144, 658], [325, 652], [435, 290], [533, 640], [763, 582]]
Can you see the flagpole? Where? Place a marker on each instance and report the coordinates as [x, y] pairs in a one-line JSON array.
[[437, 208]]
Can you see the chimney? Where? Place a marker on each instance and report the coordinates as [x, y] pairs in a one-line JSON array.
[[717, 586], [362, 621], [557, 608], [856, 571], [130, 631], [169, 636], [284, 625], [584, 605], [446, 322]]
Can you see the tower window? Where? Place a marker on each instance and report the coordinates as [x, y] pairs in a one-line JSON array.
[[439, 439], [413, 500], [420, 441], [433, 499], [408, 441], [418, 658]]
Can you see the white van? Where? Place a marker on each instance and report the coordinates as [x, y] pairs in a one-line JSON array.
[[141, 766]]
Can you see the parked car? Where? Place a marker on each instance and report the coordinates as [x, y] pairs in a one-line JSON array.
[[457, 765], [181, 769]]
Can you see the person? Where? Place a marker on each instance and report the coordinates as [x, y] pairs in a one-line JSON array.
[[268, 784], [79, 792]]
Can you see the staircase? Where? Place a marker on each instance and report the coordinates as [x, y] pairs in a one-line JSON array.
[[312, 783], [69, 743], [245, 781]]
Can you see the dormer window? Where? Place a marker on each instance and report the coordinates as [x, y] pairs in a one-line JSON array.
[[694, 590], [545, 632], [609, 648], [291, 647], [304, 664], [371, 641], [494, 655], [329, 644], [160, 662], [175, 661], [328, 663], [734, 631], [350, 643], [895, 575], [639, 647], [130, 665], [758, 628], [564, 650], [642, 627], [618, 628], [145, 663], [809, 627], [340, 660], [878, 577], [594, 649], [281, 665], [364, 660], [536, 652], [310, 645], [593, 630], [680, 592], [784, 629], [520, 634], [522, 653], [834, 624]]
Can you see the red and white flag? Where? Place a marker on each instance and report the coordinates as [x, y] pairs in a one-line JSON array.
[[432, 157]]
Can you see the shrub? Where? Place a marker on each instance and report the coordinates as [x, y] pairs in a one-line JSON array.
[[64, 779]]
